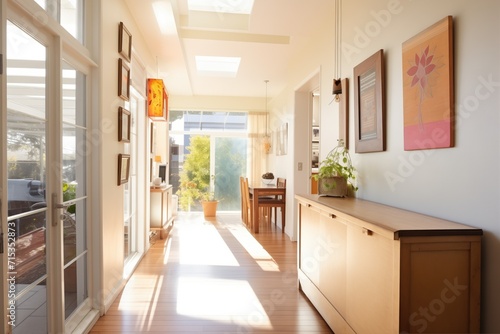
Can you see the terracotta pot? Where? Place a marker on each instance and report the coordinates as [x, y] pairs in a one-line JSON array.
[[209, 208]]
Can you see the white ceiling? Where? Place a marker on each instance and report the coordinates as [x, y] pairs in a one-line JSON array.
[[266, 41]]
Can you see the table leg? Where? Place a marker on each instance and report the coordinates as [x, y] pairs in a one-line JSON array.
[[255, 210]]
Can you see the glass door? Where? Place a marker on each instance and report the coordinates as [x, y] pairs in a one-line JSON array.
[[47, 193]]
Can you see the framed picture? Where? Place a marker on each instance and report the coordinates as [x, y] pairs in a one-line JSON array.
[[428, 94], [369, 104], [123, 80], [344, 112], [315, 134], [151, 138], [123, 168], [124, 42], [282, 139], [124, 120]]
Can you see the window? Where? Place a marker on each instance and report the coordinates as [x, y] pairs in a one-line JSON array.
[[222, 152]]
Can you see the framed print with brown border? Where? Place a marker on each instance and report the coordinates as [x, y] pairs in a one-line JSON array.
[[124, 121], [369, 104], [428, 93], [123, 168], [124, 42], [123, 80]]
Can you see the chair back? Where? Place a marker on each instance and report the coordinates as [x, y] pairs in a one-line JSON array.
[[280, 182]]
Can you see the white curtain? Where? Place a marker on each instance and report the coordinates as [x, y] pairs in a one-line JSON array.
[[257, 157]]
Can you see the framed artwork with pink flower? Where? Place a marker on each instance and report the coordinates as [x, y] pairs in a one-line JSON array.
[[428, 95]]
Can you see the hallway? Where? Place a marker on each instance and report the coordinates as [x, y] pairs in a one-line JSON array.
[[214, 277]]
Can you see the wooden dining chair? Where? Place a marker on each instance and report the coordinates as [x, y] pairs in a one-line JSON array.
[[278, 201], [246, 204], [280, 183], [242, 201]]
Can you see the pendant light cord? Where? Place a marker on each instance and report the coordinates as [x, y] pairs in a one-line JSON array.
[[338, 37]]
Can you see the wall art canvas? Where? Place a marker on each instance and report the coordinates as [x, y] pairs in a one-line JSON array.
[[428, 95]]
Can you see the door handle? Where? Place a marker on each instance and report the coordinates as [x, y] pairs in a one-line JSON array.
[[58, 206]]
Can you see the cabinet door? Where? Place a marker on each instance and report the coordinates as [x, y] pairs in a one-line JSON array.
[[372, 306], [331, 252], [164, 207], [440, 278], [310, 233]]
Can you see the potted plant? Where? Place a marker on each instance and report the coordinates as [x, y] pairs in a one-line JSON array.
[[208, 201], [336, 174]]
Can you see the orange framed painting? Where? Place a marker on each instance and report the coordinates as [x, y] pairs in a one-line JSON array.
[[428, 95]]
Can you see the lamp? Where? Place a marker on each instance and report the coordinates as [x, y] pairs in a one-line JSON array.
[[157, 100], [266, 140], [158, 158], [337, 81]]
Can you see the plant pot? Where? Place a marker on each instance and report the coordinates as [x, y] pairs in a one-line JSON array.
[[209, 208], [335, 186]]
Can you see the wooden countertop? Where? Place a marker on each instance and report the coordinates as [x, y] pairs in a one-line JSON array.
[[399, 222]]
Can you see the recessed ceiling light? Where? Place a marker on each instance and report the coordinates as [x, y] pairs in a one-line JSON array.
[[220, 66], [222, 6]]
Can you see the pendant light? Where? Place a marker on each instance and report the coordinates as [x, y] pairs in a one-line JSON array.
[[337, 80], [157, 98]]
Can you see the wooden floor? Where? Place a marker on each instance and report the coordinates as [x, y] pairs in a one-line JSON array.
[[215, 277]]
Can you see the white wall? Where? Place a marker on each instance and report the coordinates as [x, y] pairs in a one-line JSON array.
[[462, 183], [111, 221]]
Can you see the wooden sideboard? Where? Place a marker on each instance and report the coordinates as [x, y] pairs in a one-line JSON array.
[[372, 268], [161, 210]]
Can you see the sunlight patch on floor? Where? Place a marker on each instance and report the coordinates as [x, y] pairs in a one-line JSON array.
[[215, 250], [254, 249], [205, 298]]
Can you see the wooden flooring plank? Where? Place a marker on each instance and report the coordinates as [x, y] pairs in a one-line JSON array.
[[215, 277]]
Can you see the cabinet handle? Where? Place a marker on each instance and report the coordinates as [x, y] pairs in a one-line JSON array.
[[367, 231], [332, 215]]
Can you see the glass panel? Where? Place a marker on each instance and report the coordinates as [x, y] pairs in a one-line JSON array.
[[230, 164], [74, 175], [31, 310], [75, 285], [69, 13], [26, 153]]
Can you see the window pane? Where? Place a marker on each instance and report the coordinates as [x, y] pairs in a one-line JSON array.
[[230, 164], [69, 13]]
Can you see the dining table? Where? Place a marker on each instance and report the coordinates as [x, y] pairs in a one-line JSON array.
[[261, 192]]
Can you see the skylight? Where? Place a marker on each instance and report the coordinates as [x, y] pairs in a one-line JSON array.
[[218, 66], [222, 6]]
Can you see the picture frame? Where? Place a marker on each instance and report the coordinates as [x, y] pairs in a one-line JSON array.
[[428, 88], [282, 139], [124, 122], [123, 80], [123, 168], [369, 104], [151, 138], [124, 42], [315, 134], [344, 112]]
